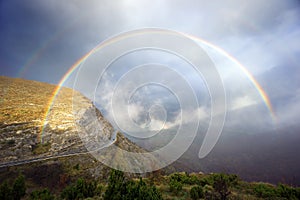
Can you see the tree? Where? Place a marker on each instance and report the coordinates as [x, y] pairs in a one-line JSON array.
[[43, 194], [222, 183], [155, 176], [5, 191], [82, 189], [196, 192], [120, 189], [116, 188], [175, 186], [140, 190], [263, 190], [287, 192], [19, 188], [69, 193]]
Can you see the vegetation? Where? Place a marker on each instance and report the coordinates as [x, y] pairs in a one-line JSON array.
[[43, 194], [264, 191], [288, 192], [11, 142], [197, 192], [282, 191], [222, 184], [82, 189], [120, 188], [174, 186], [41, 148], [16, 192], [5, 191], [25, 100]]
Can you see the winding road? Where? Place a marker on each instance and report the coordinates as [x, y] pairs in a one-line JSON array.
[[39, 159]]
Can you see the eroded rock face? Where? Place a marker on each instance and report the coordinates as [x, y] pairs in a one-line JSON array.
[[17, 140], [35, 123], [35, 120]]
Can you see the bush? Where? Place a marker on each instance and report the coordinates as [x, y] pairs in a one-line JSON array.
[[287, 192], [119, 188], [207, 180], [196, 192], [175, 186], [181, 177], [5, 191], [19, 188], [43, 194], [222, 184], [82, 189], [11, 142], [17, 191], [139, 190], [116, 188], [185, 178], [193, 179], [76, 167], [41, 148], [264, 191], [99, 190]]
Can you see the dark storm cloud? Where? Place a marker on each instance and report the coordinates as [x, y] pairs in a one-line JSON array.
[[55, 34], [48, 37], [44, 38], [27, 26]]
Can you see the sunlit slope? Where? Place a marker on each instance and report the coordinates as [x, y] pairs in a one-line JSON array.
[[38, 120]]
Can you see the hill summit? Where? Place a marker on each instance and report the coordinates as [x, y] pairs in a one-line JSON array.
[[39, 127]]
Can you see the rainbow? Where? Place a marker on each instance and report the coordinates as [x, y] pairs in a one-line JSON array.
[[124, 35], [258, 87], [45, 45]]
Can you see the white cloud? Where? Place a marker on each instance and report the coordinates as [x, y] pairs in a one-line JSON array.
[[258, 33], [240, 102]]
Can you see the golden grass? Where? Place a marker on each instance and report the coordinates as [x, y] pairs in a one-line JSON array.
[[28, 101]]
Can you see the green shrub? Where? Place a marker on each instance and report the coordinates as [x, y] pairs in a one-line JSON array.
[[196, 192], [193, 180], [11, 142], [76, 167], [264, 191], [19, 188], [119, 189], [185, 178], [181, 177], [41, 148], [16, 192], [287, 192], [43, 194], [5, 191], [175, 186], [140, 190], [82, 189], [116, 188], [222, 184], [99, 190], [207, 180]]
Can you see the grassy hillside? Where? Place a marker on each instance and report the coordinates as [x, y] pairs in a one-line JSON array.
[[26, 101], [155, 186], [81, 176], [24, 137]]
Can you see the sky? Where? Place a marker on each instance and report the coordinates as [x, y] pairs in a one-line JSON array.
[[42, 40]]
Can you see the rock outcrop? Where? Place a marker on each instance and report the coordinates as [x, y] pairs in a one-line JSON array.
[[40, 120]]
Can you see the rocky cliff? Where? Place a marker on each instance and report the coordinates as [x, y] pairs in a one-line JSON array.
[[41, 133]]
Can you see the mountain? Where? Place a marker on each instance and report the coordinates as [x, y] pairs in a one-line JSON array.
[[266, 156], [45, 135], [41, 132]]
